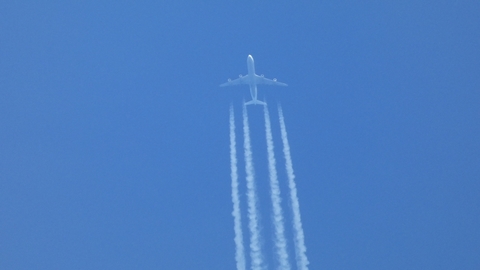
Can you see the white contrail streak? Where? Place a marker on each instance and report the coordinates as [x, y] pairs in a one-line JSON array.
[[237, 217], [255, 252], [300, 249], [280, 242]]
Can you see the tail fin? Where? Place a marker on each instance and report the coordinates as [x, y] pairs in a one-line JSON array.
[[255, 102]]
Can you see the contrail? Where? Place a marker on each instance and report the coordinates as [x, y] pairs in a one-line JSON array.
[[300, 249], [280, 242], [237, 217], [255, 252]]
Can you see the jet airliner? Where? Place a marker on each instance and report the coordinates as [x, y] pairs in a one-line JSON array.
[[252, 80]]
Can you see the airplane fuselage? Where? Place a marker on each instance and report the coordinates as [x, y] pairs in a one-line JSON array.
[[251, 76]]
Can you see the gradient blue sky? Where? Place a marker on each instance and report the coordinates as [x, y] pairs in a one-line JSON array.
[[114, 133]]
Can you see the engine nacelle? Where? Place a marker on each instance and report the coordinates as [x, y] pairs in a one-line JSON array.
[[274, 79], [229, 80], [240, 76]]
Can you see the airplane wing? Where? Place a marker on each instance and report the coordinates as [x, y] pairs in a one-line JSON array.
[[241, 80], [263, 80]]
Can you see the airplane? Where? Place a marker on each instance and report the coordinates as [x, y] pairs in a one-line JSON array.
[[252, 80]]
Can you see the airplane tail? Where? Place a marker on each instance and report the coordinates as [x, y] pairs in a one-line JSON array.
[[255, 102]]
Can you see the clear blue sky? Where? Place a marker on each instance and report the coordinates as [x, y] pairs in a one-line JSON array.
[[114, 149]]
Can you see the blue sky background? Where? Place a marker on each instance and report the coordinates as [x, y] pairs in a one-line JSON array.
[[114, 149]]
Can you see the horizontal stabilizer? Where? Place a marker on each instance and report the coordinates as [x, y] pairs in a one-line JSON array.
[[255, 102]]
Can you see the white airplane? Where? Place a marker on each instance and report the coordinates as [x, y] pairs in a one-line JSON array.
[[252, 79]]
